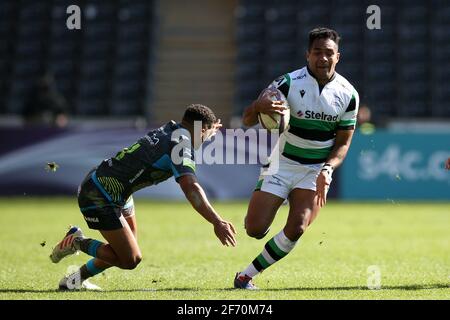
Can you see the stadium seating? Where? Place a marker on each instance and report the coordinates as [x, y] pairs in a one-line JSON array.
[[107, 59], [106, 68]]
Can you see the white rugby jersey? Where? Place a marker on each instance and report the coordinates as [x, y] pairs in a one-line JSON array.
[[317, 112]]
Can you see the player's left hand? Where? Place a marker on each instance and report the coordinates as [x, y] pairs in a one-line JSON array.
[[216, 126], [226, 232], [214, 129], [322, 184]]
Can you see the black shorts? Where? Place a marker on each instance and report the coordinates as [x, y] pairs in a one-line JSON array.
[[97, 208]]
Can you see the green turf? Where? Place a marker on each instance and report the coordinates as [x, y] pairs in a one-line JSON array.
[[183, 260]]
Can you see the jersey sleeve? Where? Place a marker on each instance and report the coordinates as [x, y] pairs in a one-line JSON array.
[[282, 83], [348, 119], [182, 158]]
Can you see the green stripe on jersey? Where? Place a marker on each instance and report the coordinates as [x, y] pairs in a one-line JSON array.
[[344, 123], [306, 153], [189, 163], [288, 79], [313, 124]]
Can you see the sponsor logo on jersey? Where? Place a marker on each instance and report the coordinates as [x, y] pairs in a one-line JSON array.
[[302, 92], [136, 176], [300, 77], [320, 116]]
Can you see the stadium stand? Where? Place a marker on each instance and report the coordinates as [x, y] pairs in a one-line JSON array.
[[110, 68], [102, 69]]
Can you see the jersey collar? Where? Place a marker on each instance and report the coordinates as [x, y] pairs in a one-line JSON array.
[[309, 72]]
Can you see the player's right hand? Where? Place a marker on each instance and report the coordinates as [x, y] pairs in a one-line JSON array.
[[266, 105], [225, 232]]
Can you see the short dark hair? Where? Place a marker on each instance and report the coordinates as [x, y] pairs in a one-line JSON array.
[[323, 33], [199, 112]]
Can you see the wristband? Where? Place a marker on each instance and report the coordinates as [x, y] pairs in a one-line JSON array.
[[328, 168]]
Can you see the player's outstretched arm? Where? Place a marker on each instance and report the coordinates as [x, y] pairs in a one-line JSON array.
[[264, 104], [196, 195]]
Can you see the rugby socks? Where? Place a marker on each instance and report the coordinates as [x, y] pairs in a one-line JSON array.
[[88, 246], [89, 270], [275, 249]]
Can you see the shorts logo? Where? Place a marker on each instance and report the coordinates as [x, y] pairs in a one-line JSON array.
[[91, 219], [275, 180]]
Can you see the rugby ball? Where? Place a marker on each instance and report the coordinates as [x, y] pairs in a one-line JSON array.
[[275, 121]]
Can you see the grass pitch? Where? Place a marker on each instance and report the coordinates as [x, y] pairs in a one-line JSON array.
[[408, 242]]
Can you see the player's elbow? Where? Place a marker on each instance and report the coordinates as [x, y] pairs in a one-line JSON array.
[[247, 123], [250, 118], [187, 183]]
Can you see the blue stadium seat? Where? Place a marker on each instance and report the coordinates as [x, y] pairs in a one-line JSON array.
[[413, 71], [94, 68], [440, 32], [91, 107], [250, 13], [410, 14], [416, 32], [122, 107], [129, 69], [249, 32], [26, 68], [126, 89], [415, 52], [100, 50], [250, 51], [132, 32], [93, 88], [130, 50]]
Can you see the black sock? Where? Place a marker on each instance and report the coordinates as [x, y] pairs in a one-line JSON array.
[[84, 273], [88, 246]]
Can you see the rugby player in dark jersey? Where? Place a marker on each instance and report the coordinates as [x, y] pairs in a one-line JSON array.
[[105, 195]]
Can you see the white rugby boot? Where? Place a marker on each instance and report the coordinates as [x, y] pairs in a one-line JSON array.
[[73, 282], [66, 246]]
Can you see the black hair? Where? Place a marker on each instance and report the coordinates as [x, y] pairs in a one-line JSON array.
[[323, 33], [199, 112]]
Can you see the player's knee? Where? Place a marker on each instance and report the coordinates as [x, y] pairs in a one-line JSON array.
[[131, 262], [257, 233]]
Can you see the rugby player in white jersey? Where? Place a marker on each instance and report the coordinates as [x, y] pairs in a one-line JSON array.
[[323, 108]]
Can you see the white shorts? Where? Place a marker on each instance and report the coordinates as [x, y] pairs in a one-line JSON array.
[[290, 175], [128, 208]]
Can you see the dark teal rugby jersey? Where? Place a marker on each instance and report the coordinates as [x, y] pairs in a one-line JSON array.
[[155, 157]]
